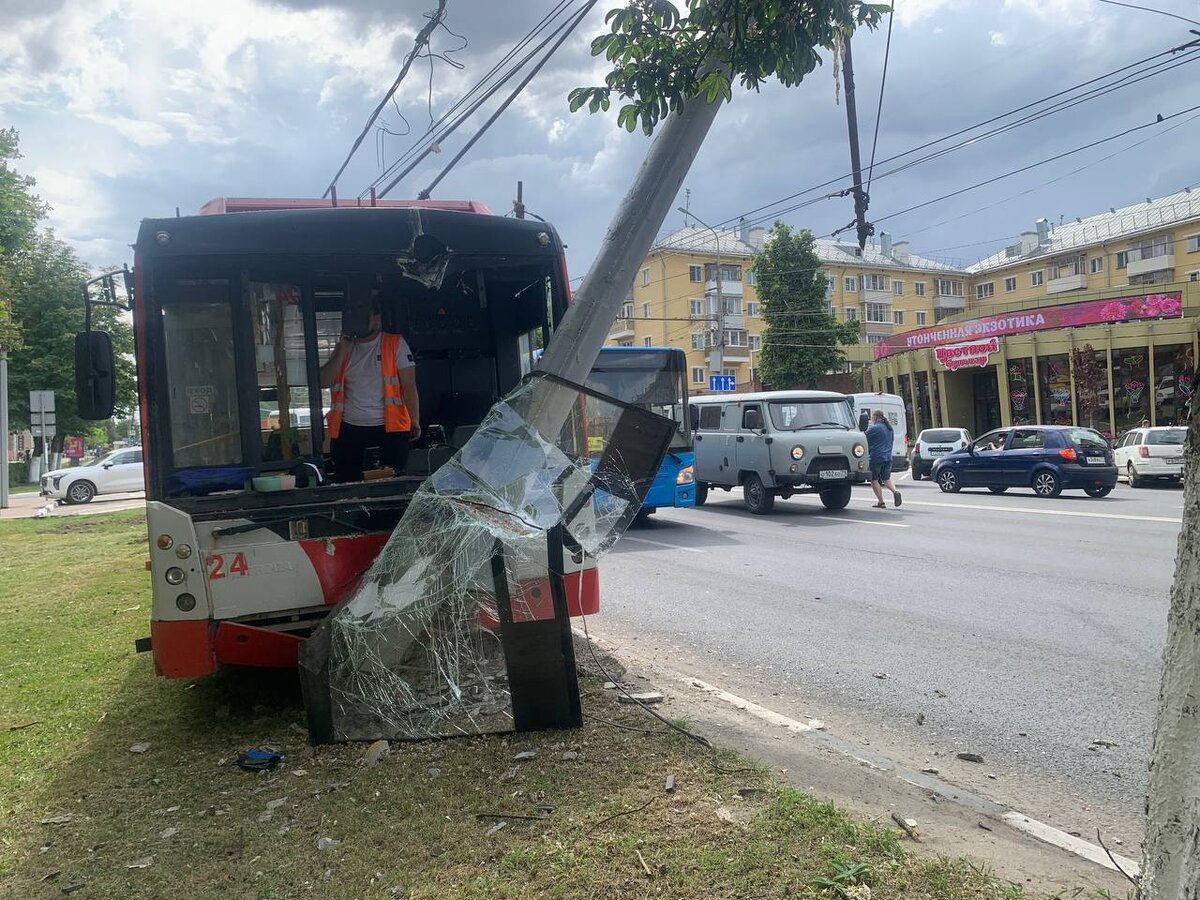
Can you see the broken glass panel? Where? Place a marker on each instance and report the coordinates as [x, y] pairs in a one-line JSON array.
[[461, 624]]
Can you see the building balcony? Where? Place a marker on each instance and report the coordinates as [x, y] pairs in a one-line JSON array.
[[735, 320], [728, 288], [947, 303], [868, 296], [1066, 283], [735, 355], [1144, 264], [621, 328]]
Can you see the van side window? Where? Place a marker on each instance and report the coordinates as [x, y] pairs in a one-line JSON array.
[[710, 418]]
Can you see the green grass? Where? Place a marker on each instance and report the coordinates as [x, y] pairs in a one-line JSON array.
[[74, 697], [23, 488]]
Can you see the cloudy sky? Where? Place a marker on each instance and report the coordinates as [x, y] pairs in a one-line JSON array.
[[131, 108]]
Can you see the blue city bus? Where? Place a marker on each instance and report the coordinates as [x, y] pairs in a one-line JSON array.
[[654, 378]]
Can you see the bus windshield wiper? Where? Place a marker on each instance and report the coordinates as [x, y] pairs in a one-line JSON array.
[[825, 425]]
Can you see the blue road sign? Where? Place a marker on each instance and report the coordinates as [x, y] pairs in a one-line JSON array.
[[722, 382]]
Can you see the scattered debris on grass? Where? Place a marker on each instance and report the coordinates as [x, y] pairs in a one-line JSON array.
[[140, 747], [970, 757], [909, 826], [645, 697]]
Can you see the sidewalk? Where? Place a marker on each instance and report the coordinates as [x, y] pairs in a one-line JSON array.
[[27, 505]]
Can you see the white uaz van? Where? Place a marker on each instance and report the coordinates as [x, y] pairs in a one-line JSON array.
[[892, 406], [776, 444]]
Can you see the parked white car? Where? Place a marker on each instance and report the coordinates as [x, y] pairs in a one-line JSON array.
[[934, 443], [119, 471], [1145, 453]]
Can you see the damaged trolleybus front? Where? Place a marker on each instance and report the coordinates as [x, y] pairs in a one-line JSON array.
[[254, 537]]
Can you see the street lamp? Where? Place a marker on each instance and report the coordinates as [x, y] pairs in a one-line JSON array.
[[719, 354]]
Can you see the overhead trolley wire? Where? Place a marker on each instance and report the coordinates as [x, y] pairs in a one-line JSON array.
[[422, 40]]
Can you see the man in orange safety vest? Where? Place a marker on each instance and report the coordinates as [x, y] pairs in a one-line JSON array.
[[373, 400]]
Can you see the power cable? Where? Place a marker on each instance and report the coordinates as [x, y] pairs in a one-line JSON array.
[[1161, 12], [565, 32], [887, 50], [1094, 94], [1158, 121], [428, 141], [421, 40], [965, 130]]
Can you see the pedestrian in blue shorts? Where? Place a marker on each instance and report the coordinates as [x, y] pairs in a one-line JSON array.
[[879, 449]]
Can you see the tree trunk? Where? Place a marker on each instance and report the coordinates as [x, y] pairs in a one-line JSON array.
[[1171, 868]]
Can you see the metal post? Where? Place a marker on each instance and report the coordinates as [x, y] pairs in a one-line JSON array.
[[719, 355], [863, 228], [4, 428], [630, 234]]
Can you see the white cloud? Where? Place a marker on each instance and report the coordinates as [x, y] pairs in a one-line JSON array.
[[998, 39]]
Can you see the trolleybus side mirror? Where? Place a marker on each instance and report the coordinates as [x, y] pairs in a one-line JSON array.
[[95, 381]]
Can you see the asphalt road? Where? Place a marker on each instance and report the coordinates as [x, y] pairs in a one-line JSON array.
[[1017, 628]]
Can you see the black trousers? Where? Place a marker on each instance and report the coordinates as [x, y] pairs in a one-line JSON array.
[[349, 450]]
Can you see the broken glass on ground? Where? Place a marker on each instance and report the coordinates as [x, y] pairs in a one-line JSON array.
[[461, 624]]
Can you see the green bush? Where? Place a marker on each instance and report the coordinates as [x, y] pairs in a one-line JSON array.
[[18, 473]]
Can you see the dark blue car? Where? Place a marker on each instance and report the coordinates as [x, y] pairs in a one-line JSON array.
[[1046, 458]]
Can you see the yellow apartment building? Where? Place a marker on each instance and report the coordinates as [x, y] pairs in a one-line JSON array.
[[1124, 283], [674, 298]]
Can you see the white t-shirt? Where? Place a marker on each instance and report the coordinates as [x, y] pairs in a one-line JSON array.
[[364, 381]]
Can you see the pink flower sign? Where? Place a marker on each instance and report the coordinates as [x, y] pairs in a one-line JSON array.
[[1168, 305]]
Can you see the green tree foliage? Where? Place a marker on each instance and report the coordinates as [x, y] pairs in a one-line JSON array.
[[41, 307], [661, 57], [47, 303], [802, 340]]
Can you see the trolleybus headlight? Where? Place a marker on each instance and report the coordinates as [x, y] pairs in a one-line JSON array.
[[859, 450], [165, 542], [174, 575], [797, 453], [686, 475], [185, 602], [183, 551]]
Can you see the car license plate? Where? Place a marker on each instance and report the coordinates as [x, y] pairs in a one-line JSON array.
[[934, 451], [830, 474], [1094, 460], [1176, 460]]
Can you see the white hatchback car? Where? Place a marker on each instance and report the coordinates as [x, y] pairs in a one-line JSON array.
[[934, 443], [119, 471], [1145, 453]]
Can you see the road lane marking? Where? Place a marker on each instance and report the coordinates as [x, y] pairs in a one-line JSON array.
[[884, 524], [1040, 830], [1042, 512], [877, 761], [641, 540]]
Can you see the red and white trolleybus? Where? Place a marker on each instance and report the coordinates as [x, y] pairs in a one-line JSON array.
[[235, 310]]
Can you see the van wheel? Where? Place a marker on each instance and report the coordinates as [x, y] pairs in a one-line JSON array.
[[836, 497], [759, 500], [701, 493]]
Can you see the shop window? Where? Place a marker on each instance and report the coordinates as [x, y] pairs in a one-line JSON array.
[[1091, 388], [922, 379], [890, 385], [1021, 403], [1174, 382], [1054, 385], [906, 396], [1131, 387], [936, 391]]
